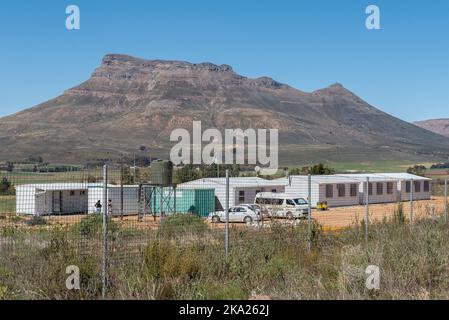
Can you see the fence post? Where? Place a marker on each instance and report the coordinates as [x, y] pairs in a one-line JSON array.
[[412, 187], [121, 186], [105, 232], [445, 200], [227, 215], [161, 203], [366, 208], [174, 199], [309, 200]]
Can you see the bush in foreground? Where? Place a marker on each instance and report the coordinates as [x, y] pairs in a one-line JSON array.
[[179, 225], [277, 262]]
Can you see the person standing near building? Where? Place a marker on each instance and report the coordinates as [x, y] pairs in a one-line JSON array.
[[110, 207], [98, 207]]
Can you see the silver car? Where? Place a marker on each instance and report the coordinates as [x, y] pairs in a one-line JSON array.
[[242, 213]]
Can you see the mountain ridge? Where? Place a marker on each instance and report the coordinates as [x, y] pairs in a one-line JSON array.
[[129, 102], [439, 126]]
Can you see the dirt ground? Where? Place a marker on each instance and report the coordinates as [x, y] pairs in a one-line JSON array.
[[347, 216], [333, 219]]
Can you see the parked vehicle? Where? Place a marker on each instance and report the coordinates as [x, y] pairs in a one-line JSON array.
[[280, 205], [255, 207], [242, 213]]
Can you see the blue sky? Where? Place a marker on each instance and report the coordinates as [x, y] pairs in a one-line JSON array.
[[402, 69]]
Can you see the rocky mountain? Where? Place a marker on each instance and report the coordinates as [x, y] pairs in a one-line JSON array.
[[130, 102], [440, 126]]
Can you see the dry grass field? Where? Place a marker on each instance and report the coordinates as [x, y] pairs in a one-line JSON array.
[[183, 257], [348, 216]]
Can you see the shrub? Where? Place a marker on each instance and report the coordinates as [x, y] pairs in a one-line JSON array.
[[6, 187], [36, 221], [15, 219], [92, 226], [180, 224], [398, 215]]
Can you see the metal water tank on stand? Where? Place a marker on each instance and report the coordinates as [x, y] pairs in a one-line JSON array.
[[162, 173]]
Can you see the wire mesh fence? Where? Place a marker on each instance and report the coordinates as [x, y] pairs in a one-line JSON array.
[[112, 222]]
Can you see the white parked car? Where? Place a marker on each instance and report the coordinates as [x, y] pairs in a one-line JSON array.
[[255, 207], [280, 205], [242, 213]]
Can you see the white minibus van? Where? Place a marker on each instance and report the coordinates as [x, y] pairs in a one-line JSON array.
[[281, 205]]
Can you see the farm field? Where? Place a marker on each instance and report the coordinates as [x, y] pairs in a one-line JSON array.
[[348, 216], [18, 178], [374, 166], [441, 174]]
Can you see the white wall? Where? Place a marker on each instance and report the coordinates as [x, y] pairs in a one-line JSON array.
[[250, 193], [33, 201], [130, 199], [74, 201], [336, 201], [25, 200], [379, 198], [405, 196], [234, 188], [299, 188]]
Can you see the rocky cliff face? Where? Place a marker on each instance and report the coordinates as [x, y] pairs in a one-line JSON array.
[[439, 126], [129, 102]]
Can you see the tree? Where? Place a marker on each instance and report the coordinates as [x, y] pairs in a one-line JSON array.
[[299, 171], [127, 175], [34, 159], [6, 187], [317, 169], [321, 169], [9, 166], [92, 179], [418, 170], [212, 171], [444, 165], [186, 173]]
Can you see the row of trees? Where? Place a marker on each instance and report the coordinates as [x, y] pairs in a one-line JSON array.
[[191, 172], [318, 169], [8, 166], [48, 168], [37, 167], [444, 165]]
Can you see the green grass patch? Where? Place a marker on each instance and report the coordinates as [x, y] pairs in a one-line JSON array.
[[8, 204]]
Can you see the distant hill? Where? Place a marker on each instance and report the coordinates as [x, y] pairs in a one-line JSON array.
[[440, 126], [130, 102]]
